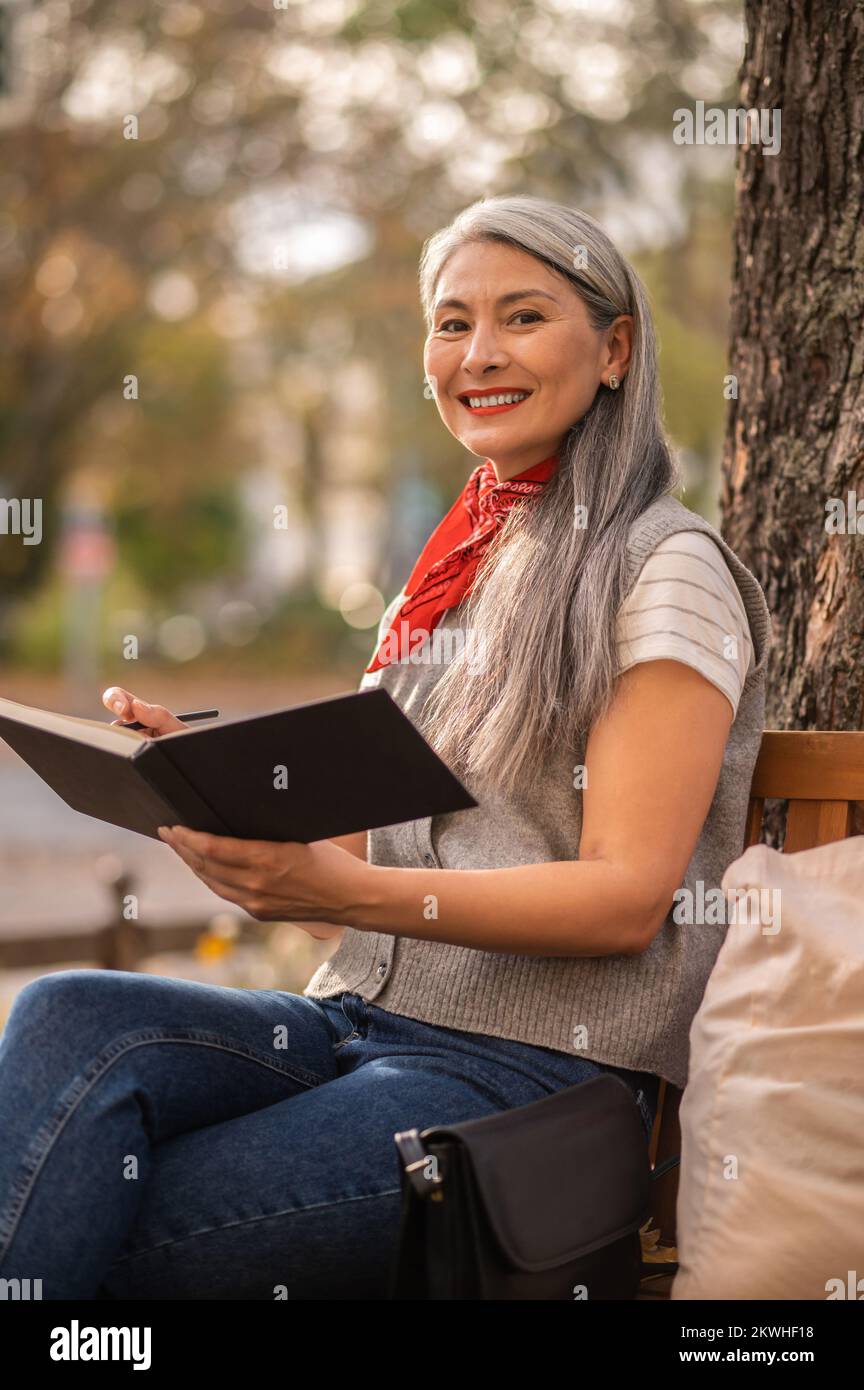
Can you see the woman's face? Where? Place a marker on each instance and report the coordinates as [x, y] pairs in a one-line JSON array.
[[503, 322]]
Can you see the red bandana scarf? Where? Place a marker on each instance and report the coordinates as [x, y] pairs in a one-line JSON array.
[[444, 573]]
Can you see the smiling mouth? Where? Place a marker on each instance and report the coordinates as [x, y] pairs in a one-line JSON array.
[[494, 403]]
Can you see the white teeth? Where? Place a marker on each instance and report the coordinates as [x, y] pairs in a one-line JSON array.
[[477, 401]]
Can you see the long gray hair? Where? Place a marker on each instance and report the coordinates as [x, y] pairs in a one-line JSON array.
[[543, 607]]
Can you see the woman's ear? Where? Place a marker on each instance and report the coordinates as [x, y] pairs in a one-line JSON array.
[[620, 345]]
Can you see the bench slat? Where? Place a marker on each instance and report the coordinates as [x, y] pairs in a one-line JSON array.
[[813, 823], [810, 766], [753, 828]]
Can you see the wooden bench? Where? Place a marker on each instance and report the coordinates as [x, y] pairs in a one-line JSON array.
[[822, 775]]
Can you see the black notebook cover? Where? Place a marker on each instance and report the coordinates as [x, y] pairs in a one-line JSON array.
[[352, 762]]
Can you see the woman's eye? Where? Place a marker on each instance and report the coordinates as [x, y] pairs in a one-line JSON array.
[[459, 325]]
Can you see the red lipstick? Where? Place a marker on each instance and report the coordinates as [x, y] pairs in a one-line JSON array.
[[466, 396]]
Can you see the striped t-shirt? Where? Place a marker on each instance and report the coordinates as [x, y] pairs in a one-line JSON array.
[[685, 606]]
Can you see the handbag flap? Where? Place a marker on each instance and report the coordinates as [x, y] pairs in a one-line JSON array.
[[562, 1176]]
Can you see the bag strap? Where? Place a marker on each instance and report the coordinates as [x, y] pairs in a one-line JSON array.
[[415, 1157], [665, 1166], [409, 1277]]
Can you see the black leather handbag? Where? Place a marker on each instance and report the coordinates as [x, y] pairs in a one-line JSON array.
[[543, 1201]]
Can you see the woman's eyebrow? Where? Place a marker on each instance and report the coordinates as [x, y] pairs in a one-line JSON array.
[[502, 299]]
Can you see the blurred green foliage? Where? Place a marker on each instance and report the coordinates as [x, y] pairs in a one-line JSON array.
[[169, 543]]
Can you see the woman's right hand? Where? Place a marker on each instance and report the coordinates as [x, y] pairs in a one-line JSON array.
[[158, 720], [155, 718]]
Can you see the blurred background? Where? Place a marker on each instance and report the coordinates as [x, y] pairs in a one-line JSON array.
[[211, 360]]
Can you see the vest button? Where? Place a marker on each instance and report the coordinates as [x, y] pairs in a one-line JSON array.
[[382, 970]]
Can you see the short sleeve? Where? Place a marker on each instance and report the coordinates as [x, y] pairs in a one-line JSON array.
[[370, 679], [685, 606]]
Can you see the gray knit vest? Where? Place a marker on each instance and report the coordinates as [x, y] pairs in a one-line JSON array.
[[627, 1011]]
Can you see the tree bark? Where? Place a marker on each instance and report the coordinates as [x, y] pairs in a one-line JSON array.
[[795, 435]]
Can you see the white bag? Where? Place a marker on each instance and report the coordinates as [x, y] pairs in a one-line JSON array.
[[771, 1192]]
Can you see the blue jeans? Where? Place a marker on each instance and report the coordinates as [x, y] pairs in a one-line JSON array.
[[167, 1139]]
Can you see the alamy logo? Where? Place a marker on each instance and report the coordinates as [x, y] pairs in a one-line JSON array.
[[845, 518], [738, 126], [22, 516], [714, 907], [20, 1290], [76, 1343], [850, 1287], [420, 647]]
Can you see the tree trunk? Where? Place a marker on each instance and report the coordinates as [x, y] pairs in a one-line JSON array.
[[795, 436]]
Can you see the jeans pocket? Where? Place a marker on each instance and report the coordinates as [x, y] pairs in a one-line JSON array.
[[334, 1007]]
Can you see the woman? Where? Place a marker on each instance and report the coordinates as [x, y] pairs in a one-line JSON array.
[[590, 656]]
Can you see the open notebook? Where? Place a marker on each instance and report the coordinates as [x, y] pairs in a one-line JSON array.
[[331, 767]]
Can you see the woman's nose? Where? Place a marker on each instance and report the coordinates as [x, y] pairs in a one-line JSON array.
[[483, 350]]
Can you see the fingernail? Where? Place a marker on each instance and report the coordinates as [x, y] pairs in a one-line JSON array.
[[119, 705]]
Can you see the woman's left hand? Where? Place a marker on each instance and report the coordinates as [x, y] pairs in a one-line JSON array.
[[271, 880]]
